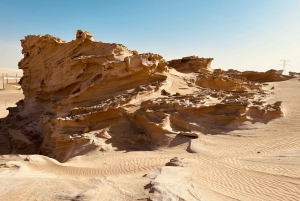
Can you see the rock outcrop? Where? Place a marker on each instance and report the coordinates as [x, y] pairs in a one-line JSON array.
[[84, 95], [294, 74], [268, 76], [191, 64]]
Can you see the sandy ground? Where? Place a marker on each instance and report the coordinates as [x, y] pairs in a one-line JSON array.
[[12, 94], [257, 164]]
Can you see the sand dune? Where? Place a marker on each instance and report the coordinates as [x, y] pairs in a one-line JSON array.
[[185, 132]]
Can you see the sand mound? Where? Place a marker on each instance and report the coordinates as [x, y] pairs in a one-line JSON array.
[[112, 124]]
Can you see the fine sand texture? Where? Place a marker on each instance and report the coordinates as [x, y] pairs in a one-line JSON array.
[[260, 164], [97, 121]]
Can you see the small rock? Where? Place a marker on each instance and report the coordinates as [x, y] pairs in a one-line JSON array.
[[87, 129], [165, 93], [189, 134], [278, 103], [174, 162]]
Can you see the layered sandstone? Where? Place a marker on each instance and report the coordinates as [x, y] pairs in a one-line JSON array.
[[191, 64], [268, 76], [84, 95]]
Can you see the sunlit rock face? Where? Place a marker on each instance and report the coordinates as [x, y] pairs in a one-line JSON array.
[[84, 95], [191, 64], [268, 76]]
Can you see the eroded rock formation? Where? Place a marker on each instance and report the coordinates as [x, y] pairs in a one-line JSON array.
[[268, 76], [83, 95], [191, 64]]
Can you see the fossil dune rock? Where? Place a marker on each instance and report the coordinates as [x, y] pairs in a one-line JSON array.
[[268, 76], [86, 95], [191, 64], [101, 122]]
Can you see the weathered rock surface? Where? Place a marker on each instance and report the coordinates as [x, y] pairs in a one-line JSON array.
[[174, 162], [268, 76], [191, 64], [84, 95]]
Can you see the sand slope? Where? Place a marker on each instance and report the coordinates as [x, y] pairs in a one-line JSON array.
[[256, 164]]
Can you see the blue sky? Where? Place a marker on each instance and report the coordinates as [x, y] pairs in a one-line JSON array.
[[239, 34]]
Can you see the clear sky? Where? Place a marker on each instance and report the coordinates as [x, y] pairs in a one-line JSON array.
[[239, 34]]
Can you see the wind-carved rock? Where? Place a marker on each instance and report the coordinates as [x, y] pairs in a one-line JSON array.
[[82, 35], [192, 64], [61, 75], [84, 95], [268, 76]]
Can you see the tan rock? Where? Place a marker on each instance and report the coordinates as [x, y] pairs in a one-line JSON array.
[[189, 134], [191, 64], [123, 99], [86, 129]]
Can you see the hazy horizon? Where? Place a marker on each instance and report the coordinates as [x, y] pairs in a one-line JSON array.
[[243, 35]]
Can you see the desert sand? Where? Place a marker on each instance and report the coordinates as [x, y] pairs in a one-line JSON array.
[[12, 94], [101, 122]]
